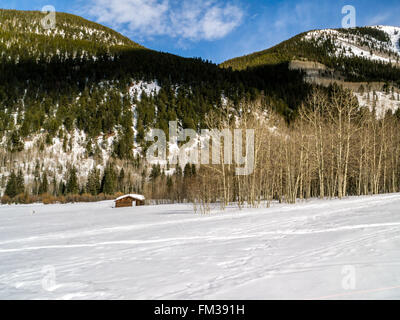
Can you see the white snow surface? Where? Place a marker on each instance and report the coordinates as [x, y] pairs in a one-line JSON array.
[[303, 251]]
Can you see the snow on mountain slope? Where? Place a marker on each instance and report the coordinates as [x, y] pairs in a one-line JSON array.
[[139, 87], [136, 91], [394, 34], [55, 157], [381, 101], [357, 45], [338, 249]]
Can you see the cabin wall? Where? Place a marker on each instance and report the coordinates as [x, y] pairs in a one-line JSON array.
[[126, 202]]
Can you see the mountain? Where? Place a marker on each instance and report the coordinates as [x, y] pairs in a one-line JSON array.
[[81, 96], [23, 30], [77, 101], [355, 54]]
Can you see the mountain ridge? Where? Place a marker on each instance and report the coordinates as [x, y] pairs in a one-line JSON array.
[[29, 22], [361, 54]]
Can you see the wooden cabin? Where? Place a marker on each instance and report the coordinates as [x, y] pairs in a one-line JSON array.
[[129, 200]]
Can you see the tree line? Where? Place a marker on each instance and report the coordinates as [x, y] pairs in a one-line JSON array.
[[333, 149], [109, 183]]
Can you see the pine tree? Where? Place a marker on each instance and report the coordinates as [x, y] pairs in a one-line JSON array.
[[55, 186], [89, 148], [15, 144], [61, 188], [44, 184], [193, 170], [20, 182], [170, 184], [187, 171], [11, 187], [72, 186], [155, 172], [35, 187], [121, 182], [108, 183], [93, 182], [36, 173]]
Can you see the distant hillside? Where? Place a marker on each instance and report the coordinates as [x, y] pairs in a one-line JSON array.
[[23, 30], [359, 54]]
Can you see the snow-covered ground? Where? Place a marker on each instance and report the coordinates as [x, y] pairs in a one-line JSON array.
[[333, 249]]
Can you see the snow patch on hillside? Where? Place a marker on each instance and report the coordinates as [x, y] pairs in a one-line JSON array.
[[352, 45], [381, 101], [135, 91], [139, 87], [394, 34]]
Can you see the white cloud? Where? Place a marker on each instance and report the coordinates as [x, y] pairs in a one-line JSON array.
[[187, 19], [380, 18]]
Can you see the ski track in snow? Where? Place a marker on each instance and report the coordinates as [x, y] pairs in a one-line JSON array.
[[169, 252]]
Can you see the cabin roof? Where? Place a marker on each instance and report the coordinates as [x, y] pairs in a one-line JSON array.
[[134, 196]]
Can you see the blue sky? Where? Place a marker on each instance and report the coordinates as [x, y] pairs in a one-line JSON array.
[[214, 29]]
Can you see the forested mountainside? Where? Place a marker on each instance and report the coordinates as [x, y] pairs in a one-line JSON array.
[[359, 54], [82, 94], [76, 102], [50, 77], [23, 29]]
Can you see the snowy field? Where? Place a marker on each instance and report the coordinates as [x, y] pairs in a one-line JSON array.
[[336, 249]]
